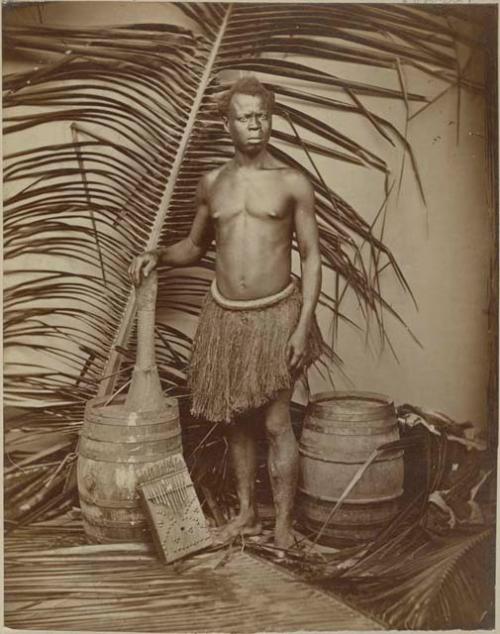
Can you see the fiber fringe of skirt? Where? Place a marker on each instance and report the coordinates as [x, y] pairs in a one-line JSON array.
[[239, 356]]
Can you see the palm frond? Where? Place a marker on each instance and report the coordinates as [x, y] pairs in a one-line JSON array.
[[423, 585]]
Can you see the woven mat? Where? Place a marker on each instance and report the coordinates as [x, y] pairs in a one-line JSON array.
[[210, 592]]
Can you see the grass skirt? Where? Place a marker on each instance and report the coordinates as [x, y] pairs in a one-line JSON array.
[[239, 355]]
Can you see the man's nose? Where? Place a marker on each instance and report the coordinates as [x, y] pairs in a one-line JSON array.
[[253, 122]]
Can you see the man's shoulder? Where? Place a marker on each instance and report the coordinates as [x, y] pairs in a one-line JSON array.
[[209, 178], [297, 180], [290, 173]]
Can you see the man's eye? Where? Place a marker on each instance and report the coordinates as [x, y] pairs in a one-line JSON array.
[[242, 119]]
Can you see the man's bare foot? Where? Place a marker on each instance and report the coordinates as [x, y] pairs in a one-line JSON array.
[[242, 524]]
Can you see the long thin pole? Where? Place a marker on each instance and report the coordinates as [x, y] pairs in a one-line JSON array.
[[125, 328]]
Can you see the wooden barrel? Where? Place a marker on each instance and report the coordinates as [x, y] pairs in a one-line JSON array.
[[341, 430], [117, 450]]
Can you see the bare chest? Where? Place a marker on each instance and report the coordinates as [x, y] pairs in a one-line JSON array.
[[259, 195]]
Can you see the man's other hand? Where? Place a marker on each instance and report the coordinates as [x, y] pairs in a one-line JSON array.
[[296, 349], [141, 266]]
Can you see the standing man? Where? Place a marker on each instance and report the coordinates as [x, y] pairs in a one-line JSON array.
[[257, 329]]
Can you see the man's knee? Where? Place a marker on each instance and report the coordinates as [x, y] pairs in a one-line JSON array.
[[277, 417]]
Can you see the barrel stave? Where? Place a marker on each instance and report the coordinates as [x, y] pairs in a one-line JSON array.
[[325, 480], [353, 523]]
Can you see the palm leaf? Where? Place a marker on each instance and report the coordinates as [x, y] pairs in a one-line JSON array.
[[131, 113], [423, 584]]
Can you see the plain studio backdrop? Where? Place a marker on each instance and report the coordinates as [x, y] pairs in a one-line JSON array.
[[444, 249]]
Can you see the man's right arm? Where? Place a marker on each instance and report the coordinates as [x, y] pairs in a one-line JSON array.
[[187, 251]]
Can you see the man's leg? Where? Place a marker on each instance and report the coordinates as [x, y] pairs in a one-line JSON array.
[[243, 451], [283, 462]]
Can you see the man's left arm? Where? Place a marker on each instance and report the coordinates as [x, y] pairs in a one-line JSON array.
[[306, 231]]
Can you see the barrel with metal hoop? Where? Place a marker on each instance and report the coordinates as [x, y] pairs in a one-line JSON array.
[[117, 449], [341, 431]]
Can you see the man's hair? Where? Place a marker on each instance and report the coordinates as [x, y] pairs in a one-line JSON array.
[[246, 86]]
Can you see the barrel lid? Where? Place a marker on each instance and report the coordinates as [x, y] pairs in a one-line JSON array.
[[351, 402]]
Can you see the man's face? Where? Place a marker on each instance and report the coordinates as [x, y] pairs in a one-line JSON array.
[[248, 123]]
